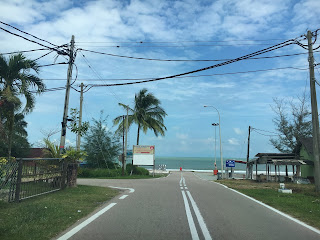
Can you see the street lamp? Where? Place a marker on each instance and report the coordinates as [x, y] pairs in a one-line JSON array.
[[215, 144], [221, 158]]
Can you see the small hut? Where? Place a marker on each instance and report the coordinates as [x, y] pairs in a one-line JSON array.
[[273, 161]]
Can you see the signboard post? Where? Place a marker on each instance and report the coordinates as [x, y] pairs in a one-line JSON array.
[[144, 156], [230, 164]]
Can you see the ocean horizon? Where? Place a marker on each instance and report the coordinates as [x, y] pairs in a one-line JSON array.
[[195, 163]]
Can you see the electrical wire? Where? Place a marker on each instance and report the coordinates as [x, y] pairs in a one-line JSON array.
[[264, 131], [185, 60], [177, 46], [266, 134], [52, 64], [196, 41], [194, 76], [28, 34], [60, 52], [33, 50], [269, 49]]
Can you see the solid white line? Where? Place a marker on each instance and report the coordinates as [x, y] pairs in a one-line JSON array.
[[131, 189], [202, 224], [184, 182], [192, 226], [85, 223], [277, 211], [123, 197]]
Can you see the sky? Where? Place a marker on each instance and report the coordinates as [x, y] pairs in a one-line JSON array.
[[171, 30]]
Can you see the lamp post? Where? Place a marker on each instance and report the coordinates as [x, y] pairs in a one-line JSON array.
[[215, 144], [221, 158]]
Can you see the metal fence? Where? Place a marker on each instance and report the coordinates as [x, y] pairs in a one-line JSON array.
[[29, 177]]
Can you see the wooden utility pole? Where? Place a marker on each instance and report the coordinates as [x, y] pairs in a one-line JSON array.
[[248, 151], [66, 101], [80, 118], [314, 110]]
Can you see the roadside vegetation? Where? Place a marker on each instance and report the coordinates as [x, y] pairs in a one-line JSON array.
[[303, 203], [46, 216], [137, 173]]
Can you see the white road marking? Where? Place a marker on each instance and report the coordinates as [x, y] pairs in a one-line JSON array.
[[131, 189], [123, 197], [202, 224], [192, 226], [86, 222], [275, 210], [200, 219]]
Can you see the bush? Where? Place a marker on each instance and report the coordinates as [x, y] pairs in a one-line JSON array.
[[98, 172], [111, 173], [136, 170]]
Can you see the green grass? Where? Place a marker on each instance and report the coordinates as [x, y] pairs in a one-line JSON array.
[[303, 203], [46, 216]]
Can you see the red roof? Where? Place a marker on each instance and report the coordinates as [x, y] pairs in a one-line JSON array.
[[36, 153]]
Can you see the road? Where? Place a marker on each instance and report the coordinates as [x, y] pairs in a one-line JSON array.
[[183, 206]]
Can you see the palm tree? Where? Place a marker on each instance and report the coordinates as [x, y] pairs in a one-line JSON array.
[[15, 81], [147, 114]]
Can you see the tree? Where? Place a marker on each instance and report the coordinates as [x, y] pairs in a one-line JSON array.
[[20, 144], [16, 81], [101, 145], [291, 127], [147, 114]]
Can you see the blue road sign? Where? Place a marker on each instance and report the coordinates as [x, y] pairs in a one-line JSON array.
[[230, 163]]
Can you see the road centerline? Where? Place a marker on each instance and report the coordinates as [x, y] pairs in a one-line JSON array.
[[186, 194]]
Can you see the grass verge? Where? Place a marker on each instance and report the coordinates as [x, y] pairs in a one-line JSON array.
[[46, 216], [303, 203]]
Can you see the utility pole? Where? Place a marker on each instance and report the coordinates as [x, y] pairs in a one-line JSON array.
[[126, 141], [122, 157], [80, 118], [314, 110], [248, 151], [66, 101]]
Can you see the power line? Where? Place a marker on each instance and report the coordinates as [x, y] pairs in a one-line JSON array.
[[177, 46], [185, 60], [52, 64], [28, 34], [194, 76], [61, 52], [190, 41], [269, 49], [24, 51]]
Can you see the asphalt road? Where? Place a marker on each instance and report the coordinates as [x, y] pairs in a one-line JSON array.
[[182, 206]]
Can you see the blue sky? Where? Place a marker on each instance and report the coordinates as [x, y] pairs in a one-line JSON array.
[[185, 30]]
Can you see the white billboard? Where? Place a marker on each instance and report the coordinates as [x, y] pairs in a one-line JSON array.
[[143, 155]]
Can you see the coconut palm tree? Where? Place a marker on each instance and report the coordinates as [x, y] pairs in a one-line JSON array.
[[17, 81], [147, 114]]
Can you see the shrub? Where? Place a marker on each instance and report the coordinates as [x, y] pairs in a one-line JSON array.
[[136, 170], [98, 172]]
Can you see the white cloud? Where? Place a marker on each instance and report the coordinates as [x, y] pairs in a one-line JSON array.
[[233, 141], [238, 131], [182, 136]]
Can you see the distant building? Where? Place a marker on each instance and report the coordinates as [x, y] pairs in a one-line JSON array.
[[305, 152], [36, 153]]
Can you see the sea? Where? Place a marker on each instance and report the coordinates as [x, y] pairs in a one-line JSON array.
[[205, 164], [194, 163]]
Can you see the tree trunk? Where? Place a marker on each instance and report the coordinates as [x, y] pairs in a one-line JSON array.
[[138, 134], [10, 133]]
